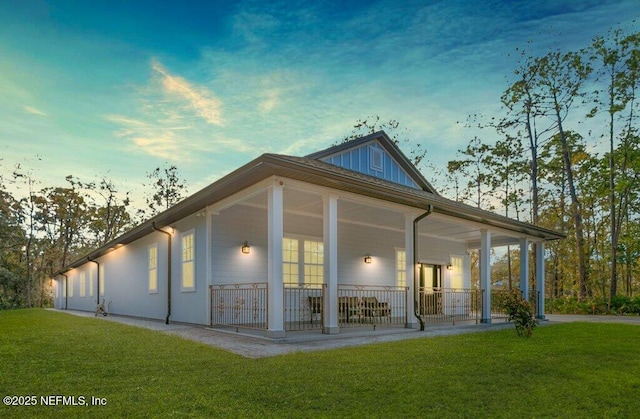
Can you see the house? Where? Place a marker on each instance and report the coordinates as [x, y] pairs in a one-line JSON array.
[[349, 236]]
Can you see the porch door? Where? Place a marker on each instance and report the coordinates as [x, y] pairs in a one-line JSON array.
[[430, 288]]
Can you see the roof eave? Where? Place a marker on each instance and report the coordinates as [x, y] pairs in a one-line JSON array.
[[274, 165]]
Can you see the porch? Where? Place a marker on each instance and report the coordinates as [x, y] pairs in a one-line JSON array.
[[285, 255], [245, 307]]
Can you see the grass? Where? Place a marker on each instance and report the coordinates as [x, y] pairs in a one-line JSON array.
[[567, 370]]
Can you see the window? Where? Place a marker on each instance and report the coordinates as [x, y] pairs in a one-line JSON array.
[[376, 159], [70, 287], [83, 284], [153, 268], [401, 268], [290, 258], [102, 280], [302, 267], [91, 280], [456, 273], [313, 262], [65, 284], [188, 263]]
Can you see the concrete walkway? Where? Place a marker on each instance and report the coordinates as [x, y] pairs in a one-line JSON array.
[[253, 344]]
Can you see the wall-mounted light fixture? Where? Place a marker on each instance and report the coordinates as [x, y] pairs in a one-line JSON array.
[[246, 248], [367, 258], [449, 267]]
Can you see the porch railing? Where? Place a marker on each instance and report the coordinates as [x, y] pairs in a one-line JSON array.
[[239, 305], [362, 305], [441, 305], [498, 298], [304, 306]]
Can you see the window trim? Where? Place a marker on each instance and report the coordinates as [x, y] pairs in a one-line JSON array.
[[376, 154], [301, 263], [102, 281], [83, 284], [456, 272], [192, 261], [154, 269], [401, 268], [91, 279]]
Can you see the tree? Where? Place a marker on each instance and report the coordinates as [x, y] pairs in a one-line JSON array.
[[11, 267], [64, 216], [110, 216], [26, 211], [399, 135], [166, 190], [561, 79], [617, 60], [523, 105], [474, 164], [506, 172]]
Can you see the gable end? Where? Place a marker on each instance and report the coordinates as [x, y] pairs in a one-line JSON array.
[[375, 155]]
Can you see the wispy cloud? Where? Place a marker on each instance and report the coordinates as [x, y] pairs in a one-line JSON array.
[[164, 146], [34, 111], [270, 100], [197, 98], [176, 119]]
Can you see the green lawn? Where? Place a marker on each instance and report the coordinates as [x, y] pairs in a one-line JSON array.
[[567, 370]]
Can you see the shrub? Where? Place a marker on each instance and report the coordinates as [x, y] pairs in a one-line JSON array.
[[625, 305], [521, 312]]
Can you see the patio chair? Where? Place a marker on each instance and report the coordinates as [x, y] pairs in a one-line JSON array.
[[371, 308], [316, 304]]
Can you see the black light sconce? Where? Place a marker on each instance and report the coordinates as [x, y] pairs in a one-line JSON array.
[[246, 248], [367, 258]]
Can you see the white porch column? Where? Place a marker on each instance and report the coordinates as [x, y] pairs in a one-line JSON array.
[[524, 267], [410, 270], [330, 230], [275, 228], [540, 278], [485, 274]]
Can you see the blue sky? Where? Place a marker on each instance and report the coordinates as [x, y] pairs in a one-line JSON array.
[[117, 88]]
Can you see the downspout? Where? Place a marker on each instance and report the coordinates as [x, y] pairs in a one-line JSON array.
[[416, 278], [166, 321], [98, 276], [66, 291]]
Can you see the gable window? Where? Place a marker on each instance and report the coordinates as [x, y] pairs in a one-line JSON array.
[[188, 262], [153, 268], [303, 261], [376, 159], [401, 268]]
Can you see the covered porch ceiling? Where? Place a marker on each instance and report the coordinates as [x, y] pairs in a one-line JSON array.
[[386, 216]]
